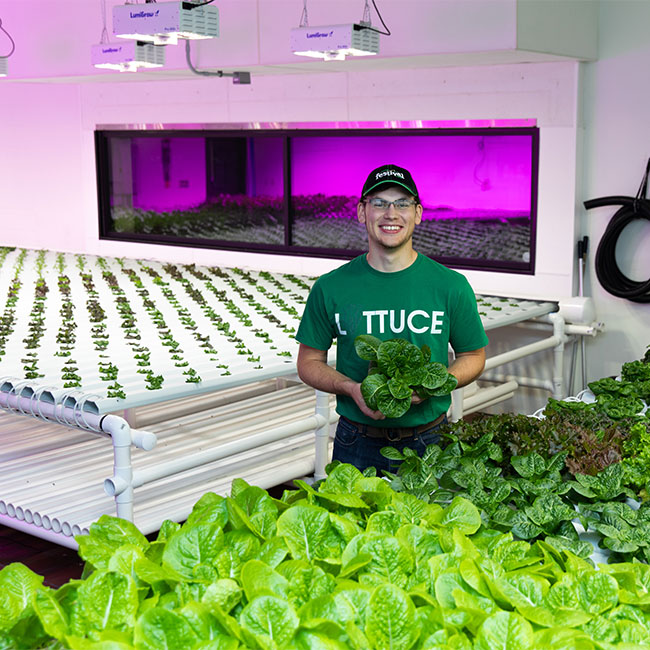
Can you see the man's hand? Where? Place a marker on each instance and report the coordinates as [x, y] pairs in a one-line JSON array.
[[314, 371], [355, 394], [416, 399]]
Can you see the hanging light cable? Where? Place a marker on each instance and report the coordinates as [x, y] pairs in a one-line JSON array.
[[304, 18], [4, 57], [366, 18], [104, 36]]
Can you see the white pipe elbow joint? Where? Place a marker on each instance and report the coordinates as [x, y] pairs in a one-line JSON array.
[[559, 326], [119, 430], [321, 421]]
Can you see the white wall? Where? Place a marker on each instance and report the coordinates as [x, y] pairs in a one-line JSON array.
[[616, 101], [545, 92]]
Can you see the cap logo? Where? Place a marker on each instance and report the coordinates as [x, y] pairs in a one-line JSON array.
[[389, 172]]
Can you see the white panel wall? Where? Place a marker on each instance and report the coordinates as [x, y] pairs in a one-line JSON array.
[[546, 92], [616, 150], [43, 179]]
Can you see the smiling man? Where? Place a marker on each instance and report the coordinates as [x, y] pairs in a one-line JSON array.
[[391, 292]]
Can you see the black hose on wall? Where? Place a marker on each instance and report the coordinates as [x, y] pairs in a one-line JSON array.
[[609, 274]]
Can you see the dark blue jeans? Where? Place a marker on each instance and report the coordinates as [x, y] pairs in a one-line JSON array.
[[352, 446]]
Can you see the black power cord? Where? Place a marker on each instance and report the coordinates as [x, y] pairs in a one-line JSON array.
[[386, 31], [608, 272], [11, 40]]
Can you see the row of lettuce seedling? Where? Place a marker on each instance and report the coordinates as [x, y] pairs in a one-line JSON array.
[[122, 325]]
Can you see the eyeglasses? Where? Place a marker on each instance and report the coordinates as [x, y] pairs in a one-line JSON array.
[[383, 205]]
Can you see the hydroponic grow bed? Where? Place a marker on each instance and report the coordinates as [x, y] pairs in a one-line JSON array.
[[135, 332]]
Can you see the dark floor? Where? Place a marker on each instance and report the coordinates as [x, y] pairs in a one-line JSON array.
[[56, 563]]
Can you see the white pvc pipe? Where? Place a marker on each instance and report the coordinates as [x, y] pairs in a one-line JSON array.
[[321, 438], [59, 413], [524, 351], [484, 395], [49, 411], [144, 440], [529, 382], [583, 330], [37, 531], [456, 410], [122, 467], [559, 325], [274, 452], [498, 400], [140, 477], [149, 515]]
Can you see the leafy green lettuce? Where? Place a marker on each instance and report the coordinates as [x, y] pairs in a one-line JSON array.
[[397, 369], [349, 564]]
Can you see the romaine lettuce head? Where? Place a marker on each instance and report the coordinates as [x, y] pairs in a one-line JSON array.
[[436, 375], [390, 406], [398, 356]]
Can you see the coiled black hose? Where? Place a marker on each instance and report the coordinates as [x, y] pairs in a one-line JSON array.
[[609, 274]]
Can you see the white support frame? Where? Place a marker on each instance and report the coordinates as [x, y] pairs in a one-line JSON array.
[[24, 398], [463, 403]]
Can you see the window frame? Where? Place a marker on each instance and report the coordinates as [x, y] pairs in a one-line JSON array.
[[103, 135]]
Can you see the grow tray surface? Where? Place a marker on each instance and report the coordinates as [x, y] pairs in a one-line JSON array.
[[133, 332]]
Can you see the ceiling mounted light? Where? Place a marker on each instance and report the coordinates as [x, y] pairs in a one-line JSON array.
[[335, 42], [127, 57], [163, 23], [124, 56]]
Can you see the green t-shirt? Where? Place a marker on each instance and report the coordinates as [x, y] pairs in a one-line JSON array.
[[426, 303]]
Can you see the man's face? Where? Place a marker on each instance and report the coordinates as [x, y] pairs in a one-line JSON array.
[[393, 227]]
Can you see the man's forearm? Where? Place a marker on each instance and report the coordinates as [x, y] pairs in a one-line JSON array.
[[321, 376], [468, 366]]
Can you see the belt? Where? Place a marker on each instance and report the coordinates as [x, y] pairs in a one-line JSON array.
[[394, 434]]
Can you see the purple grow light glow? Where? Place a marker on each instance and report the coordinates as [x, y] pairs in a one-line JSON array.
[[464, 172], [476, 180]]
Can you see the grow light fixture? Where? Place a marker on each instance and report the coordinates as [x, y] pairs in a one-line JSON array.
[[127, 56], [4, 68], [163, 23], [335, 42]]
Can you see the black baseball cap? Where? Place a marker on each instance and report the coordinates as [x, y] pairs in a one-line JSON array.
[[389, 175]]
